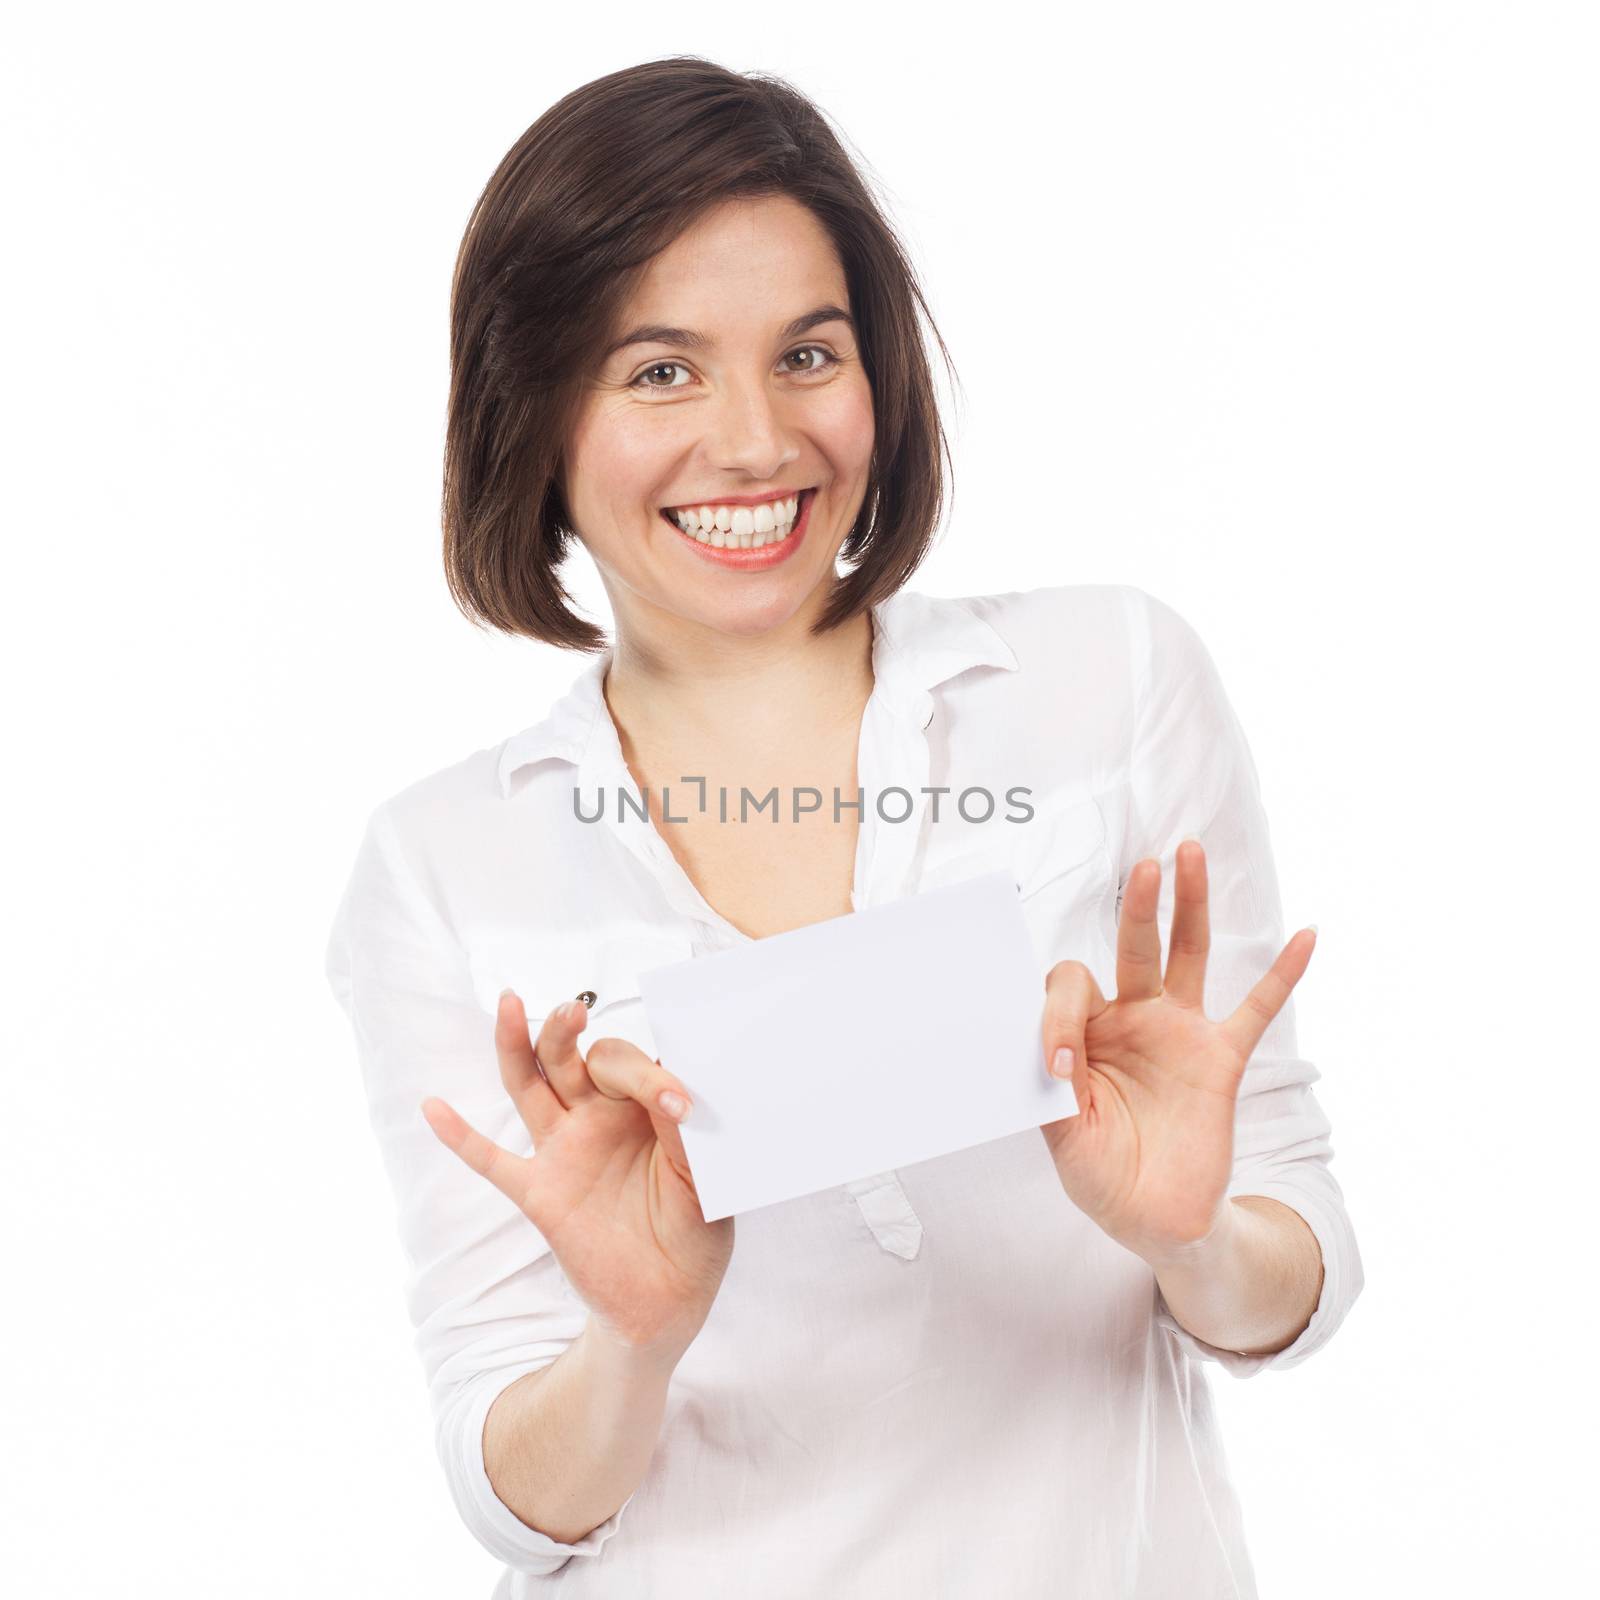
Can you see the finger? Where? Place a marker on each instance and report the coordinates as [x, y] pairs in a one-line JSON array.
[[1071, 997], [671, 1142], [1138, 937], [535, 1100], [557, 1047], [1255, 1012], [622, 1071], [1190, 940], [511, 1175]]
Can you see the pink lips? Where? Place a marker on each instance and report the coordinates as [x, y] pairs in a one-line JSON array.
[[769, 555]]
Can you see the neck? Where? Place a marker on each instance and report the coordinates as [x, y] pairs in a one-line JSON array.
[[692, 688]]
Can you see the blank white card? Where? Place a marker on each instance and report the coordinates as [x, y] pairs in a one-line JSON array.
[[853, 1046]]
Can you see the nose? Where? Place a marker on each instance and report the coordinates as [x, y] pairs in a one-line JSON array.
[[749, 435]]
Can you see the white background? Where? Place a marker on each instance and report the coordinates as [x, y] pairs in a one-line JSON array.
[[1286, 313]]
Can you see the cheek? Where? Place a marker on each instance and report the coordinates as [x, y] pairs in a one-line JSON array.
[[844, 425], [616, 459]]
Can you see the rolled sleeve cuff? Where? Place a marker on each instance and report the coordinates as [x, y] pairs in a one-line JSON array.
[[498, 1529], [1341, 1282]]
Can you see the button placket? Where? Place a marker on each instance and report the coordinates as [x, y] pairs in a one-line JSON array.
[[602, 766], [887, 1210], [895, 755]]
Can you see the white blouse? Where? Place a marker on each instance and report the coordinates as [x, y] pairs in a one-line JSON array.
[[943, 1380]]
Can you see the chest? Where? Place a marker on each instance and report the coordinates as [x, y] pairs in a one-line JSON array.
[[760, 833], [785, 863]]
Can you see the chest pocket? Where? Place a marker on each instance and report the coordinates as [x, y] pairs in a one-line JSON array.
[[1061, 864], [546, 970], [887, 1212]]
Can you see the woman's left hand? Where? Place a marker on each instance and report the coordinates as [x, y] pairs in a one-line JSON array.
[[1150, 1152]]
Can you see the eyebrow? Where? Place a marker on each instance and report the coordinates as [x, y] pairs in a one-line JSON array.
[[656, 333]]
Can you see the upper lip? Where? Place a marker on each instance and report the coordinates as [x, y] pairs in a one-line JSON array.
[[739, 499]]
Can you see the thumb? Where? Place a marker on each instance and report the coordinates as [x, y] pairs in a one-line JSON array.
[[1071, 997], [670, 1140]]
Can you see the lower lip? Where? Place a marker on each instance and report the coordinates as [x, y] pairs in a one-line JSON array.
[[769, 555]]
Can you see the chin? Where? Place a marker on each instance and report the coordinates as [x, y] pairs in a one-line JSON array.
[[748, 615]]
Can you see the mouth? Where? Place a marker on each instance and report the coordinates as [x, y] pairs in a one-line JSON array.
[[743, 536]]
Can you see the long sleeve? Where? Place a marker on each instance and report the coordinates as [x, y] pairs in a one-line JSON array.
[[486, 1296], [1192, 774]]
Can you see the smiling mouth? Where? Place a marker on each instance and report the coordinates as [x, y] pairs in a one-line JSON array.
[[740, 527]]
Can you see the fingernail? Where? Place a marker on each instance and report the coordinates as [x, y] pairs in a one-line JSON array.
[[567, 1010], [505, 992], [674, 1105], [1312, 926], [1061, 1063]]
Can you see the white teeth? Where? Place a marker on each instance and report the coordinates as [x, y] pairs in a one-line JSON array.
[[739, 527]]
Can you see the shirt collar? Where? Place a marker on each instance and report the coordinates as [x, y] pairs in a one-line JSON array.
[[919, 641]]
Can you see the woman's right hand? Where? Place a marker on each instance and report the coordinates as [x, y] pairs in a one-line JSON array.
[[608, 1185]]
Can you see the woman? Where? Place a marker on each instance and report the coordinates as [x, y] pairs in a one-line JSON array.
[[684, 336]]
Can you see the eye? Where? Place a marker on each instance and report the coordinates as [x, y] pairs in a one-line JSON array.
[[659, 366], [828, 359]]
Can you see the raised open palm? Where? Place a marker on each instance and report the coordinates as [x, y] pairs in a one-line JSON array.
[[1150, 1152]]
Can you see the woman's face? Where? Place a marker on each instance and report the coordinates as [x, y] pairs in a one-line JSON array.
[[725, 405]]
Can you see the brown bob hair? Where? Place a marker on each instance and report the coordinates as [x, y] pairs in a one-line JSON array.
[[563, 231]]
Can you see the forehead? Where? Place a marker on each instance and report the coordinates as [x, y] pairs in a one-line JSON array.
[[748, 263]]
